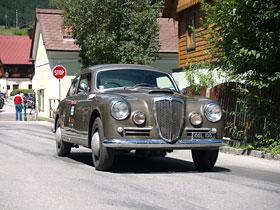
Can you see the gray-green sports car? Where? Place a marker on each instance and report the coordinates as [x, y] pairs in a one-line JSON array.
[[118, 108]]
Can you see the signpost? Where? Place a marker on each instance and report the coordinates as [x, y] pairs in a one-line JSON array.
[[59, 72]]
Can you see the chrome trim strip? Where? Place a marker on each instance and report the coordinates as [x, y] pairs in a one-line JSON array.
[[198, 129], [158, 143], [136, 128]]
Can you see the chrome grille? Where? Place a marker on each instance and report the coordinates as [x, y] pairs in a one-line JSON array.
[[169, 117]]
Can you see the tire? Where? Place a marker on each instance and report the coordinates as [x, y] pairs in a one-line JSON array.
[[102, 156], [63, 148], [205, 160]]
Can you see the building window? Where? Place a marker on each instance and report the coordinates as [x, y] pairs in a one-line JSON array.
[[190, 32], [15, 87], [67, 31], [29, 86], [40, 97]]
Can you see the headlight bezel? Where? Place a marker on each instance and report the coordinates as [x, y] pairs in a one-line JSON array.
[[194, 115], [114, 114], [137, 121], [208, 115]]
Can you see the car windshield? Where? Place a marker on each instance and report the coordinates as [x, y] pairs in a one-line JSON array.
[[133, 78]]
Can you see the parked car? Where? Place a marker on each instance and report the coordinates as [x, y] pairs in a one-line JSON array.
[[29, 97], [2, 100], [119, 108], [2, 103]]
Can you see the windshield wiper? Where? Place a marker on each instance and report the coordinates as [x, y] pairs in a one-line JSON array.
[[144, 85]]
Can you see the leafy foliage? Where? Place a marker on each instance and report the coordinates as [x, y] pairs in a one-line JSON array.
[[109, 31], [258, 118], [245, 35], [197, 77], [55, 4], [24, 91]]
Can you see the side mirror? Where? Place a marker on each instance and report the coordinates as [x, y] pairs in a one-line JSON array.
[[83, 87], [184, 91]]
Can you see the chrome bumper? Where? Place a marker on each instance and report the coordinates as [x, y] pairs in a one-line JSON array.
[[161, 144]]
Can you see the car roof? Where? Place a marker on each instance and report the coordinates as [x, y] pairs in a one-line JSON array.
[[120, 66]]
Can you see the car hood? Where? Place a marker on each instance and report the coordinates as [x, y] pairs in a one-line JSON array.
[[146, 93]]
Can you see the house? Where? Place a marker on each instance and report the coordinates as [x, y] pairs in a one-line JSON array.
[[191, 45], [16, 70], [52, 45]]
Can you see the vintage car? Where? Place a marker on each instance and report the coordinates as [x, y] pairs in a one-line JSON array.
[[2, 100], [120, 108]]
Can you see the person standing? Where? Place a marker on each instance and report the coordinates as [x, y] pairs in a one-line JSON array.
[[33, 103], [18, 105], [5, 94]]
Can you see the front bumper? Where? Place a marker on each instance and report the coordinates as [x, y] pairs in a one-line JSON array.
[[161, 144]]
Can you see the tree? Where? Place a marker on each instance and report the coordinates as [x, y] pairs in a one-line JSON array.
[[245, 40], [245, 36], [114, 31], [25, 8], [55, 4]]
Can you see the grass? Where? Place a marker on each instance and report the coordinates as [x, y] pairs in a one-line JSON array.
[[13, 31]]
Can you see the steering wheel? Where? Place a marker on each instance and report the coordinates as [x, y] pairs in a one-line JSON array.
[[112, 83]]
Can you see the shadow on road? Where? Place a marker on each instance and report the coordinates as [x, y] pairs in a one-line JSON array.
[[130, 163]]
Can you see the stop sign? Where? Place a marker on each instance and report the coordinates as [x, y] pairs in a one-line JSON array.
[[59, 72]]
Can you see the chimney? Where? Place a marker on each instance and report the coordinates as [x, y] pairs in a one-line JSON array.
[[30, 33]]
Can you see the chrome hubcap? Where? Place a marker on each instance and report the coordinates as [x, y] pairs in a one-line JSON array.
[[95, 144], [58, 135]]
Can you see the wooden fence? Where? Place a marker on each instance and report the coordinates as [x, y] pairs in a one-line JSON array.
[[240, 123]]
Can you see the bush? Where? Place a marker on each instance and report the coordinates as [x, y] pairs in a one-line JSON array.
[[14, 92], [258, 118]]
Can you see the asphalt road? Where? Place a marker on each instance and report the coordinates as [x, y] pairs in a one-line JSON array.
[[33, 177]]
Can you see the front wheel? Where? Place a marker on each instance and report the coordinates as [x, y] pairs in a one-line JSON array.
[[102, 156], [63, 149], [205, 160]]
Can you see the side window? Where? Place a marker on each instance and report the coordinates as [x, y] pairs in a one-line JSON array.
[[73, 87], [165, 82], [191, 25], [85, 83]]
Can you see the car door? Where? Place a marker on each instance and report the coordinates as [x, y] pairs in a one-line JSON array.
[[81, 109], [67, 115]]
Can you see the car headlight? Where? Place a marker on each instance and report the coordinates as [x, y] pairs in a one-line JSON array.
[[120, 109], [213, 112], [195, 119], [139, 118]]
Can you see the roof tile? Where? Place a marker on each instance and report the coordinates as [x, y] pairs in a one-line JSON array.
[[15, 49]]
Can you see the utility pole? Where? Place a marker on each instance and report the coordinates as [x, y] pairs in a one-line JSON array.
[[6, 21], [16, 19]]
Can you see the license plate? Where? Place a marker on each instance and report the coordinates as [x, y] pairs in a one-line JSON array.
[[202, 136]]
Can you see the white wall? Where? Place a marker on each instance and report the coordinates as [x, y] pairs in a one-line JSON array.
[[23, 83], [181, 80], [45, 84]]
